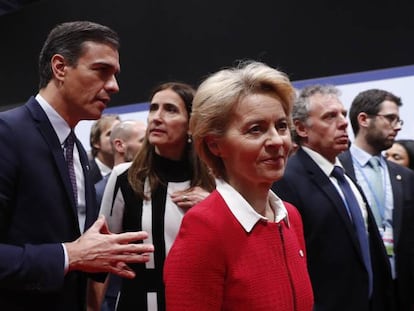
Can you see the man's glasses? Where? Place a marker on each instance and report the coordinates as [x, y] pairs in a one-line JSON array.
[[393, 119]]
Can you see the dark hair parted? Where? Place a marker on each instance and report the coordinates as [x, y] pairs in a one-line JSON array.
[[142, 166], [369, 101], [184, 90], [67, 39]]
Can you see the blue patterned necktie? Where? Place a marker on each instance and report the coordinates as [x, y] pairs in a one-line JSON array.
[[357, 220], [69, 144]]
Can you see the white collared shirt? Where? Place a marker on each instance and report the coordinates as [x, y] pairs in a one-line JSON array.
[[244, 212], [103, 168]]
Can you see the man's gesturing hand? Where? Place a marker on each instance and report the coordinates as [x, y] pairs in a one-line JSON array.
[[99, 250]]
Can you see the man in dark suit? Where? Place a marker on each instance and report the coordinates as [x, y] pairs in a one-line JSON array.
[[46, 197], [375, 120], [343, 277], [102, 155]]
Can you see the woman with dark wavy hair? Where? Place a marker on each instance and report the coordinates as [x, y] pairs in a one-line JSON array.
[[165, 179]]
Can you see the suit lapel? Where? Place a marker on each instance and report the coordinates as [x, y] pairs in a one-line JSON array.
[[90, 194], [374, 235], [50, 137], [396, 185], [346, 161], [397, 192], [325, 184]]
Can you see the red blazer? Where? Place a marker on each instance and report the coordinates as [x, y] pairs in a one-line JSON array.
[[214, 264]]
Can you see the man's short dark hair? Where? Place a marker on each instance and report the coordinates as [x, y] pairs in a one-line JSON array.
[[67, 40], [369, 101]]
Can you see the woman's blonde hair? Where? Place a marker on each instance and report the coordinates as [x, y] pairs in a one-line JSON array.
[[218, 96]]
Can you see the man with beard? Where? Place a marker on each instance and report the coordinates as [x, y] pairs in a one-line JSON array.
[[375, 120]]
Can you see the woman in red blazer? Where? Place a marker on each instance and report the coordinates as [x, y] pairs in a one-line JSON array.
[[242, 248]]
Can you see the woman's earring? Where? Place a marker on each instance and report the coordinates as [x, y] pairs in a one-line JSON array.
[[189, 139]]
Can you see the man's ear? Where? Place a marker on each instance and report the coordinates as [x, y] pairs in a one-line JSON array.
[[363, 119], [300, 129], [118, 145], [58, 66], [97, 145], [213, 145]]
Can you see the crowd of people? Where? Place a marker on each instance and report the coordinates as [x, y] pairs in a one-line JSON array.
[[239, 194]]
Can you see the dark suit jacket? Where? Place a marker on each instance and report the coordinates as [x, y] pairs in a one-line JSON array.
[[94, 171], [402, 183], [336, 268], [100, 189], [37, 213]]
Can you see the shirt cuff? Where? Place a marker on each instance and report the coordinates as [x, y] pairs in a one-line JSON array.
[[66, 268]]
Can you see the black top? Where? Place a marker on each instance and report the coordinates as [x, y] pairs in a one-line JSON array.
[[133, 294]]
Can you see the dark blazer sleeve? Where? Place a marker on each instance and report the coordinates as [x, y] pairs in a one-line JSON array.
[[94, 171], [402, 182]]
